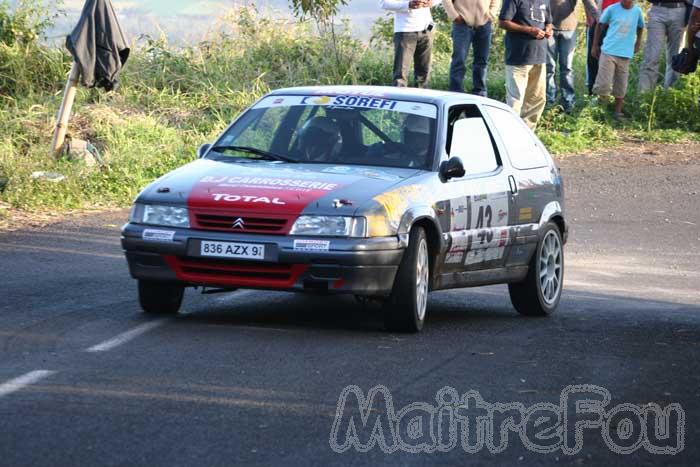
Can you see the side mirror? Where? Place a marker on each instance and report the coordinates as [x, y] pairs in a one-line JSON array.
[[203, 150], [452, 168]]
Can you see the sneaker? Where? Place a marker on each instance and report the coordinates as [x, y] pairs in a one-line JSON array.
[[620, 117]]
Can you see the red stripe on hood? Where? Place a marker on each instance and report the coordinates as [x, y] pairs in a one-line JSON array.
[[250, 196]]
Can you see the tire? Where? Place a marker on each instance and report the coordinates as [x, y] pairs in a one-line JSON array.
[[406, 308], [159, 298], [540, 292]]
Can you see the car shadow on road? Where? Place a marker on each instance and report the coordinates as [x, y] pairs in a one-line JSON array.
[[343, 313], [482, 310]]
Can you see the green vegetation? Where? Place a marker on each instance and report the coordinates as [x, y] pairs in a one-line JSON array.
[[173, 99]]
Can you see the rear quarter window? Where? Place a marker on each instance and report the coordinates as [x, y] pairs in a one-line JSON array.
[[523, 149]]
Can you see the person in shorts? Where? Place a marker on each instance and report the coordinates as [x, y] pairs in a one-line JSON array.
[[623, 27]]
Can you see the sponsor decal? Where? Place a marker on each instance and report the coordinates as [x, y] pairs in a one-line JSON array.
[[339, 203], [340, 169], [478, 229], [278, 101], [274, 183], [312, 245], [525, 214], [243, 192], [351, 101], [155, 235], [460, 243], [354, 100], [322, 100], [460, 216], [246, 198], [385, 218]]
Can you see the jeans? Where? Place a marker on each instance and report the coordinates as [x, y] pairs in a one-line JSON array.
[[417, 46], [665, 28], [591, 61], [560, 51], [463, 37]]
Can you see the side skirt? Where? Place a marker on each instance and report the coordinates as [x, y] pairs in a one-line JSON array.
[[477, 278]]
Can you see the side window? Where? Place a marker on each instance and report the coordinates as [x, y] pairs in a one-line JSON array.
[[521, 145], [469, 139]]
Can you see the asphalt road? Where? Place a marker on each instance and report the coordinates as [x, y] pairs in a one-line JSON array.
[[255, 377]]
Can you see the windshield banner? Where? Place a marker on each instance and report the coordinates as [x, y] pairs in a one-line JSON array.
[[357, 102]]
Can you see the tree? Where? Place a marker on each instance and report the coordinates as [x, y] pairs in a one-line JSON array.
[[322, 11]]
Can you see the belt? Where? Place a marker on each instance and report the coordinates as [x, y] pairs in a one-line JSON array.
[[671, 4]]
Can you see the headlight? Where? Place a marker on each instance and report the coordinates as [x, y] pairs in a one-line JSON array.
[[330, 226], [155, 214]]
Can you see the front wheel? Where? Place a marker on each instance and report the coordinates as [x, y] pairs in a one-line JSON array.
[[406, 308], [158, 298], [540, 292]]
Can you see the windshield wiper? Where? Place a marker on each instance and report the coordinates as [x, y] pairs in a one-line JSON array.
[[258, 152]]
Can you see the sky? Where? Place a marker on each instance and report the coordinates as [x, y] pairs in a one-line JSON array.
[[188, 20]]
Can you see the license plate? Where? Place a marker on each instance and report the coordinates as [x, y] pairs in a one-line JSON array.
[[232, 250]]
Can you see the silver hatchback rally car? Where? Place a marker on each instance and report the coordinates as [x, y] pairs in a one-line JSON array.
[[383, 193]]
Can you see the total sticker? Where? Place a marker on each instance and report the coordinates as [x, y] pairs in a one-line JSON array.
[[153, 235], [312, 245]]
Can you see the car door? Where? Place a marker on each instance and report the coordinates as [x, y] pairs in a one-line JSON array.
[[478, 203], [532, 171], [531, 175]]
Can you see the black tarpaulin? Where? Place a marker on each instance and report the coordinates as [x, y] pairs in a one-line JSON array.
[[98, 45]]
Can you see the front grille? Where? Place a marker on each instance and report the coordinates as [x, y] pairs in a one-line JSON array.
[[243, 224], [207, 271]]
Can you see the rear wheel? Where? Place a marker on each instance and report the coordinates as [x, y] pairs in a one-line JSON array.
[[159, 298], [540, 292], [405, 311]]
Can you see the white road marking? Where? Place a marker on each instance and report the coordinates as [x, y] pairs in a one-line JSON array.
[[237, 294], [20, 382], [15, 246], [125, 337]]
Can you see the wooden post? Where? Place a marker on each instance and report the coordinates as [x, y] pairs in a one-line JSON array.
[[59, 134]]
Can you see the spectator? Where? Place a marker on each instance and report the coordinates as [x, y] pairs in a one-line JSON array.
[[693, 33], [591, 61], [413, 39], [623, 26], [527, 23], [471, 26], [560, 49], [665, 27]]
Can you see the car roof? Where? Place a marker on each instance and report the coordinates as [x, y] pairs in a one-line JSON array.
[[432, 96]]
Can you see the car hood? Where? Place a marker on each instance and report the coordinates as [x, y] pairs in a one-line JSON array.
[[259, 187]]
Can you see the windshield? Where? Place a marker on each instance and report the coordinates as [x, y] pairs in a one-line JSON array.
[[362, 130]]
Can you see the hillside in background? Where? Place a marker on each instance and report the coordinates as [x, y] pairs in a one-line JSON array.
[[173, 99], [189, 21]]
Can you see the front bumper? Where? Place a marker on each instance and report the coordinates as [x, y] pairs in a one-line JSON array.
[[364, 266]]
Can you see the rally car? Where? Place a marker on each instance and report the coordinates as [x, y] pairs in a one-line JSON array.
[[384, 193]]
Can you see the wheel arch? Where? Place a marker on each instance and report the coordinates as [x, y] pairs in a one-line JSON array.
[[553, 212], [425, 217]]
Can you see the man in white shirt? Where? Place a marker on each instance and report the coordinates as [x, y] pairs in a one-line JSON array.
[[413, 38]]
